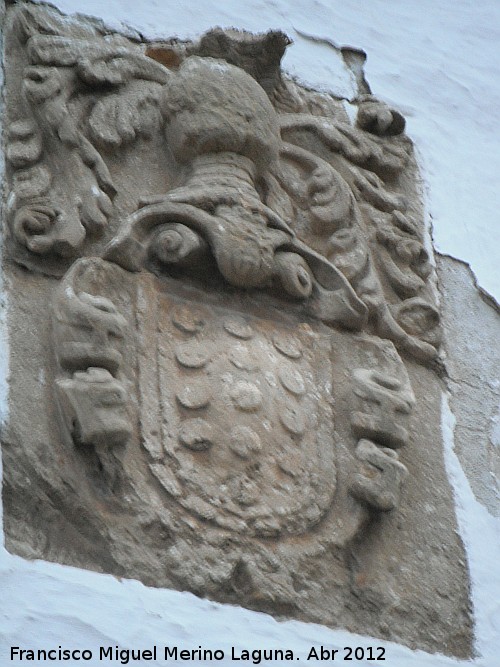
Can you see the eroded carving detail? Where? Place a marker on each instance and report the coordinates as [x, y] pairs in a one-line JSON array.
[[386, 402], [255, 198], [242, 278], [88, 330], [381, 422], [254, 206], [379, 482], [268, 462]]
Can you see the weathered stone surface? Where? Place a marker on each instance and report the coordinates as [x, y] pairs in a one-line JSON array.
[[223, 334]]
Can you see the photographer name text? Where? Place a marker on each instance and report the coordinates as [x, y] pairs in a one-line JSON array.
[[255, 656]]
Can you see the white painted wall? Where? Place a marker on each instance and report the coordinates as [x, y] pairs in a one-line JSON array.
[[438, 62]]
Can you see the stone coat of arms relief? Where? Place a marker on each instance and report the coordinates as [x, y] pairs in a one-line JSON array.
[[225, 336]]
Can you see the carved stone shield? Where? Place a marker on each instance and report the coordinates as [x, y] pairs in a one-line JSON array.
[[247, 438]]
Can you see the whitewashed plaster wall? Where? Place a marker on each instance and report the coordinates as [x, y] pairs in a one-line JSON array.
[[437, 61]]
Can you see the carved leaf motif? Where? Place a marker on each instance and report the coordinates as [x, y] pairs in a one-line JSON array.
[[332, 198], [359, 147], [55, 50], [32, 224], [377, 118], [348, 253], [419, 318], [32, 20], [94, 209], [378, 483], [369, 187], [318, 188], [115, 67], [97, 64], [30, 183], [119, 118], [246, 254], [103, 122], [294, 274]]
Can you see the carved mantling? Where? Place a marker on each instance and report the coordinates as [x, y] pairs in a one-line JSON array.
[[325, 227]]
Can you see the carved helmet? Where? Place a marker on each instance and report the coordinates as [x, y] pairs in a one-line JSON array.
[[211, 106]]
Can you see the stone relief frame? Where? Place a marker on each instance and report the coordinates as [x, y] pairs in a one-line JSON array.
[[237, 331]]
